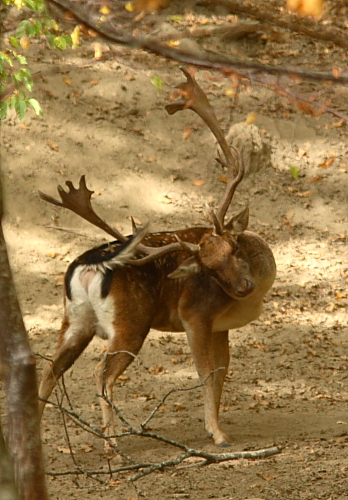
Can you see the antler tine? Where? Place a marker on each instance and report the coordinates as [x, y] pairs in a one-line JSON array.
[[134, 226], [79, 202], [192, 248], [230, 188], [194, 98], [156, 252], [152, 253]]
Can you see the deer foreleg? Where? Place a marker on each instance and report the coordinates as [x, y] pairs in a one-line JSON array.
[[221, 355], [202, 347]]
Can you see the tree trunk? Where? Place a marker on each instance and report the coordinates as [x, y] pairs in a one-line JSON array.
[[8, 490], [18, 369]]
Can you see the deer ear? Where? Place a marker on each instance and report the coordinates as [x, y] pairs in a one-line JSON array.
[[239, 222], [188, 268]]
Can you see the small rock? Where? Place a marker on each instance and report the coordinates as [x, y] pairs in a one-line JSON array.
[[255, 148]]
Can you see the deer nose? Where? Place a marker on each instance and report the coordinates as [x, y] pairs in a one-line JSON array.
[[244, 288]]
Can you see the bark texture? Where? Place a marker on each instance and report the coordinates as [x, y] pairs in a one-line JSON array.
[[18, 369]]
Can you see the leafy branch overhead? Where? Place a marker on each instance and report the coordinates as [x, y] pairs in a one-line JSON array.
[[110, 22], [16, 78]]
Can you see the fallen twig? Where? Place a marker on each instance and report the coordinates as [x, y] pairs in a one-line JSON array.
[[147, 468]]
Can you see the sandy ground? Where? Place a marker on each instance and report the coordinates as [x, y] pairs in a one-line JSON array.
[[287, 383]]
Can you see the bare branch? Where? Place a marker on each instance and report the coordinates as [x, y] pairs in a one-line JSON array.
[[166, 396], [206, 60], [147, 468], [309, 27]]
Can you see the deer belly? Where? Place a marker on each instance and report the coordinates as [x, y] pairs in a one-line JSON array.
[[166, 321], [236, 316]]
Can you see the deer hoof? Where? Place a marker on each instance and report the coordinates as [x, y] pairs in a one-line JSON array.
[[220, 439], [224, 444]]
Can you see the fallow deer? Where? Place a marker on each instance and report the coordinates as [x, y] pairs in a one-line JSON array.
[[202, 280]]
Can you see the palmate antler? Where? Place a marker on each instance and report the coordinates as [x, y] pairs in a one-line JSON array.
[[192, 97], [79, 201]]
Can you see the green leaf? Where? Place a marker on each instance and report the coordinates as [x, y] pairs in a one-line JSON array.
[[14, 41], [12, 101], [48, 22], [36, 105], [22, 95], [294, 171], [54, 25], [68, 40], [16, 78], [7, 58], [3, 110], [30, 29], [26, 73], [50, 39], [177, 18], [21, 59], [21, 29], [31, 4], [38, 26], [157, 81], [60, 43], [36, 5], [21, 108], [28, 85]]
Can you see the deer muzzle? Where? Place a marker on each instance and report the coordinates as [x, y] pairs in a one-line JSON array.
[[245, 288]]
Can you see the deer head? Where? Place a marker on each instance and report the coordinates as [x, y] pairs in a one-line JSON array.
[[222, 257]]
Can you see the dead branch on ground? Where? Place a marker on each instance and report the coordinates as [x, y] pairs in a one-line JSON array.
[[144, 468]]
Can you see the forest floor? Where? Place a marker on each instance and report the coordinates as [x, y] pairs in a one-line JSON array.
[[287, 384]]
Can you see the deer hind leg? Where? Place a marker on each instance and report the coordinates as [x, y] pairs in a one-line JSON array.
[[209, 357], [124, 344], [77, 331]]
